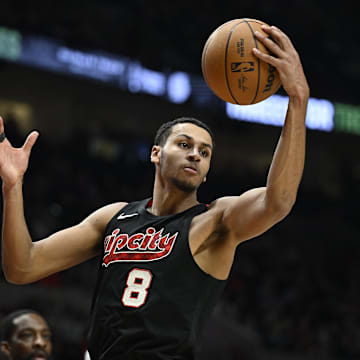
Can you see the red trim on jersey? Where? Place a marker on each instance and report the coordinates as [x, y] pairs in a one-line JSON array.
[[150, 202]]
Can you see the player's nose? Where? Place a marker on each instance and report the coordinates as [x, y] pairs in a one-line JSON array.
[[39, 341], [194, 155]]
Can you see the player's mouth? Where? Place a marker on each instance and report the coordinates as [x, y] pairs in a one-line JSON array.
[[191, 170], [39, 355]]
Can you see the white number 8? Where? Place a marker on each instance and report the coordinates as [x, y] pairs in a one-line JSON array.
[[137, 284]]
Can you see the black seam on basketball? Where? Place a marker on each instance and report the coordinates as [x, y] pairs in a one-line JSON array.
[[258, 63], [226, 52]]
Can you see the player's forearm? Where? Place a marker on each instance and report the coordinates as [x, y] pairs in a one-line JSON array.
[[288, 162], [16, 240]]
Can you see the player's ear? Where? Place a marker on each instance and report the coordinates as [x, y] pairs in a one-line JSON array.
[[5, 348], [204, 179], [155, 154]]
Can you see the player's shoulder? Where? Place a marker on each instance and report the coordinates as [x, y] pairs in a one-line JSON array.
[[215, 210], [113, 207], [221, 203], [103, 215]]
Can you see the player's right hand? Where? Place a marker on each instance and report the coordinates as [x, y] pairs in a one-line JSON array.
[[14, 161], [286, 60]]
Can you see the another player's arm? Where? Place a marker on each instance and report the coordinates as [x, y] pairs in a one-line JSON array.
[[255, 211]]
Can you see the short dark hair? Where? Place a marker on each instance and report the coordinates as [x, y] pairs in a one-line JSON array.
[[8, 326], [165, 129]]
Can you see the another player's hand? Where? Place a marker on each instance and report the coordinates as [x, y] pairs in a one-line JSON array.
[[14, 161], [286, 60]]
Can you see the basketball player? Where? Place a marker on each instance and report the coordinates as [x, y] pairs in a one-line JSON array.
[[25, 335], [164, 260]]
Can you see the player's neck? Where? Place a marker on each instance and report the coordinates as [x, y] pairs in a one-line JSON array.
[[170, 200]]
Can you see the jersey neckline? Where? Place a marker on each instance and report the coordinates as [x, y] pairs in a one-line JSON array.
[[148, 202]]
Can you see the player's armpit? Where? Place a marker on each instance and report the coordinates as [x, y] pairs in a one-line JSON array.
[[65, 248], [250, 214]]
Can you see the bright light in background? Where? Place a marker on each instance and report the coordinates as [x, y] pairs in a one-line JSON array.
[[10, 44], [320, 115], [272, 111], [145, 80], [89, 64], [347, 118], [179, 87]]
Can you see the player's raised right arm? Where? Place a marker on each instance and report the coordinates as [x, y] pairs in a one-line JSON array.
[[23, 260]]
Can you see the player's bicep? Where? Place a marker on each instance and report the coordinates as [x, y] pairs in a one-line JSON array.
[[66, 248], [73, 245], [248, 215]]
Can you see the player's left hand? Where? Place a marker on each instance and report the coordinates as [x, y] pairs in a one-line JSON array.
[[285, 59]]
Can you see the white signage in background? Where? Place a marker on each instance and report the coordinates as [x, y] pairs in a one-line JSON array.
[[177, 87], [320, 115], [272, 111], [91, 65], [144, 80]]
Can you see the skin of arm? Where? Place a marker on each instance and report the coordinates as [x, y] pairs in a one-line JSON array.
[[23, 260], [256, 210]]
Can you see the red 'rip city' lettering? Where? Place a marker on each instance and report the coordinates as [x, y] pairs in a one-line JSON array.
[[109, 241], [131, 244], [152, 245]]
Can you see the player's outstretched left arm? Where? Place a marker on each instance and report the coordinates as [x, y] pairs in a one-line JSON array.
[[257, 210]]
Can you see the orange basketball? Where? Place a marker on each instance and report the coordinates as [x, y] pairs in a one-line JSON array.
[[231, 70]]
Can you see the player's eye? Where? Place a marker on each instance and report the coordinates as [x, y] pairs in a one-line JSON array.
[[26, 335], [46, 336], [204, 153], [184, 145]]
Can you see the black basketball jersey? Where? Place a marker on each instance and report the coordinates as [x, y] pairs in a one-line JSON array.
[[151, 298]]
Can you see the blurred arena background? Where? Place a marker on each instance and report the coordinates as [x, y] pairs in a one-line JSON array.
[[97, 78]]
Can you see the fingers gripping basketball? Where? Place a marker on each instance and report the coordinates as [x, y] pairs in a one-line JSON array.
[[231, 69]]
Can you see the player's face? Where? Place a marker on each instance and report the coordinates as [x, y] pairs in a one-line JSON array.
[[31, 339], [185, 157]]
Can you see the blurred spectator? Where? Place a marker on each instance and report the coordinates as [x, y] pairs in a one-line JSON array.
[[25, 335]]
